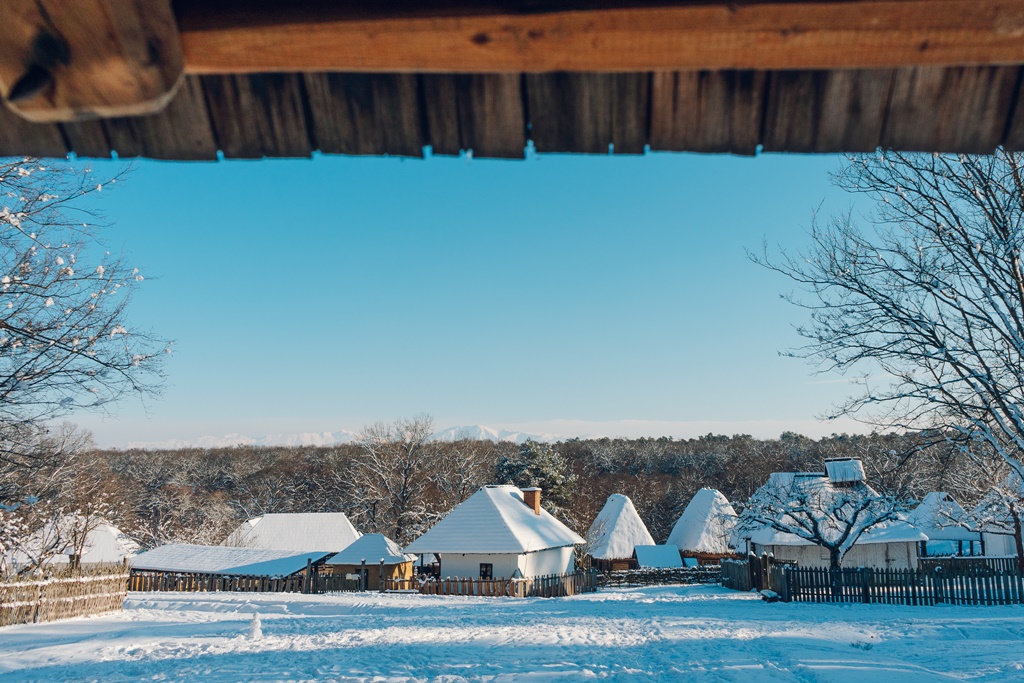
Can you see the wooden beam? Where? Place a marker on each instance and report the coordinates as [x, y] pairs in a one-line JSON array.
[[537, 36], [64, 60]]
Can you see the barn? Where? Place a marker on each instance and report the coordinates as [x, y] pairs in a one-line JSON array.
[[371, 553], [299, 531], [703, 530]]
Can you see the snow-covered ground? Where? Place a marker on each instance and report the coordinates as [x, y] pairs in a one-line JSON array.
[[693, 633]]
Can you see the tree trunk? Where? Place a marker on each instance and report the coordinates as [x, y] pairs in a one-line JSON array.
[[833, 558], [1017, 539]]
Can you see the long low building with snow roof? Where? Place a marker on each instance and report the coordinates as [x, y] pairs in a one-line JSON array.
[[184, 558], [500, 532], [299, 531]]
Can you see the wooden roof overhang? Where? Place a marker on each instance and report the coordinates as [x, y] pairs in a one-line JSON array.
[[188, 79]]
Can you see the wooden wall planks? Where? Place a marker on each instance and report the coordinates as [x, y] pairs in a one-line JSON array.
[[963, 109]]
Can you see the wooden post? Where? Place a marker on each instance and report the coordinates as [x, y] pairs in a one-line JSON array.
[[362, 576], [309, 575]]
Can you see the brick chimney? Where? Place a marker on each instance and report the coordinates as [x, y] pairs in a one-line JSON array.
[[532, 499]]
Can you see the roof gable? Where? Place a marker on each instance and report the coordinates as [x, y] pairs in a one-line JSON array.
[[495, 520], [617, 530]]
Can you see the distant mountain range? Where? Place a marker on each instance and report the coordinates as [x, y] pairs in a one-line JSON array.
[[478, 432]]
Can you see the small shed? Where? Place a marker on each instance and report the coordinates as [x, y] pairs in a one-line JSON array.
[[657, 557], [500, 532], [614, 533], [374, 550], [946, 525], [299, 531], [704, 528], [183, 558]]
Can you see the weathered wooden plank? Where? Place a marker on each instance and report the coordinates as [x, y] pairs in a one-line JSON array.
[[1014, 138], [20, 138], [707, 111], [478, 112], [826, 111], [365, 113], [62, 61], [950, 110], [465, 36], [587, 112], [181, 131], [86, 138], [258, 115]]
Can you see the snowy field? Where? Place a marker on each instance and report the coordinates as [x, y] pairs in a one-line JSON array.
[[693, 633]]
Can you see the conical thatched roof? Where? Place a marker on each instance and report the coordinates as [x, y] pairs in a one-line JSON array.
[[617, 530], [705, 525]]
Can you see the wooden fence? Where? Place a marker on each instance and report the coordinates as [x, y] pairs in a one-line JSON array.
[[91, 590], [982, 586], [954, 565], [298, 583], [736, 575], [660, 577], [555, 585]]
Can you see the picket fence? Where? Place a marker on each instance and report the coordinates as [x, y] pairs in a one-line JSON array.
[[83, 592], [898, 586], [196, 582], [660, 577], [736, 575], [551, 586]]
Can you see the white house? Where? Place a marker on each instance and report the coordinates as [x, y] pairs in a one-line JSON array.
[[946, 524], [829, 498], [705, 526], [500, 532], [299, 531], [615, 532]]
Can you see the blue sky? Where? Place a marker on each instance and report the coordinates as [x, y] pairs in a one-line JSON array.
[[560, 294]]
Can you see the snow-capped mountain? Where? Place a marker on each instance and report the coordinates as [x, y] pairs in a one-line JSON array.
[[332, 438], [483, 433]]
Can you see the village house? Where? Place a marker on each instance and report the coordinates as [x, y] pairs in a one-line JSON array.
[[298, 531], [74, 538], [947, 526], [702, 532], [369, 553], [500, 532], [616, 531], [888, 545], [228, 561]]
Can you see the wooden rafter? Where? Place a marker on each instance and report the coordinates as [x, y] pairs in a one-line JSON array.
[[240, 37]]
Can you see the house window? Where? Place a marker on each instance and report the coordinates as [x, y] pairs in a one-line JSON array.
[[486, 571]]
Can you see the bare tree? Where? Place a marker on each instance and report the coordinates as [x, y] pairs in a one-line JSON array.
[[391, 480], [813, 508], [927, 304]]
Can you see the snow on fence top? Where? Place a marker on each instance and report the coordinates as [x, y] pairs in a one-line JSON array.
[[940, 517], [373, 548], [705, 525], [844, 470], [617, 530], [495, 520], [658, 557], [215, 559], [299, 531]]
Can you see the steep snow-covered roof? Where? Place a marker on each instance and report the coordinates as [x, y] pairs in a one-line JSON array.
[[888, 532], [495, 520], [218, 559], [940, 517], [373, 548], [300, 531], [104, 542], [705, 525], [658, 556], [617, 529]]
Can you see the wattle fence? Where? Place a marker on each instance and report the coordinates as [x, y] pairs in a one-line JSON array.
[[660, 577], [552, 586], [91, 590]]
